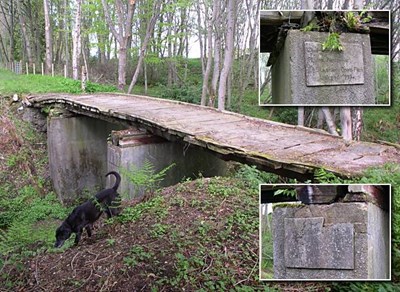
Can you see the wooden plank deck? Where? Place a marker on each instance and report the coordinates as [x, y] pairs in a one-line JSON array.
[[281, 148]]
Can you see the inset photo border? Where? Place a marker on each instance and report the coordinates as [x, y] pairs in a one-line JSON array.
[[325, 232], [325, 58]]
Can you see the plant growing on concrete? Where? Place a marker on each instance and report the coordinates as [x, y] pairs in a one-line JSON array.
[[287, 192], [332, 43]]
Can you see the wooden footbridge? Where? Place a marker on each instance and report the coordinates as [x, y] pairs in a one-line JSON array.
[[280, 148]]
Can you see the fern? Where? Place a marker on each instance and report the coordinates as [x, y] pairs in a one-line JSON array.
[[286, 192], [145, 178], [332, 43]]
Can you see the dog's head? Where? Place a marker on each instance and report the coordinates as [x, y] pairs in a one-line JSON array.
[[62, 234]]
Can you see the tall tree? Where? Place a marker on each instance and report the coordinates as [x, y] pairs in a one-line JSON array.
[[48, 37], [76, 41], [22, 23], [8, 20], [228, 57], [211, 20], [124, 15], [66, 35], [149, 31]]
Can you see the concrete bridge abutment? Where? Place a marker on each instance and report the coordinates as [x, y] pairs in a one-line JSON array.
[[130, 150], [77, 149], [341, 240], [83, 149]]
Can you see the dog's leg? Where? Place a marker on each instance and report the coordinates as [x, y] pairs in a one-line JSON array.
[[89, 230], [108, 212], [78, 236]]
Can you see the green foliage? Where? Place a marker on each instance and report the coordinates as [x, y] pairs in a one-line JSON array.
[[25, 213], [110, 241], [23, 84], [332, 43], [156, 205], [136, 255], [253, 177], [312, 26], [189, 94], [367, 287], [158, 230], [216, 189], [145, 178], [382, 78], [267, 252], [351, 20], [285, 115], [286, 192]]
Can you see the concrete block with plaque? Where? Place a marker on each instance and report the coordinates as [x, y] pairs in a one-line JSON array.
[[304, 74], [341, 240]]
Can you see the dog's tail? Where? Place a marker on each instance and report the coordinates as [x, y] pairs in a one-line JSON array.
[[117, 177]]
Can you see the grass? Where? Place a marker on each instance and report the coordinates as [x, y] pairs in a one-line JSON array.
[[267, 255], [24, 84]]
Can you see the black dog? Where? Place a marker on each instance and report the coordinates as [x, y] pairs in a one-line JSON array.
[[86, 214]]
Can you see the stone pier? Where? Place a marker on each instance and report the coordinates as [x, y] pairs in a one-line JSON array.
[[341, 240], [131, 149], [305, 75], [77, 147]]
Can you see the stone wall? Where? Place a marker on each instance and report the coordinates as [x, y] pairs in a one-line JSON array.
[[331, 241], [304, 74], [77, 148]]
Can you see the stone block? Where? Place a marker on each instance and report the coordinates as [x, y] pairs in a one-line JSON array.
[[305, 75], [311, 245], [335, 241]]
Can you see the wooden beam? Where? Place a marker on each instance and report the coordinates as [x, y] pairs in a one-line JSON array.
[[278, 17]]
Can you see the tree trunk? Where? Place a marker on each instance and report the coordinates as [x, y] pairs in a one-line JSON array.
[[300, 116], [48, 37], [217, 55], [9, 25], [329, 121], [357, 119], [143, 49], [66, 37], [200, 34], [228, 58], [122, 35], [25, 35], [345, 120], [76, 41], [206, 75]]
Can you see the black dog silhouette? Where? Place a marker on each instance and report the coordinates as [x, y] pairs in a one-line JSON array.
[[86, 214]]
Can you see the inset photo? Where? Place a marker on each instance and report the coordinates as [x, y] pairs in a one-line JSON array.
[[314, 232], [325, 58]]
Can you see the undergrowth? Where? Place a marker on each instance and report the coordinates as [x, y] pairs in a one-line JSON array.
[[23, 84]]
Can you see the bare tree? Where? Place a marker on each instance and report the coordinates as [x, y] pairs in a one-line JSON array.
[[217, 53], [143, 48], [48, 37], [8, 22], [24, 31], [123, 34], [76, 41], [206, 76], [228, 57]]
